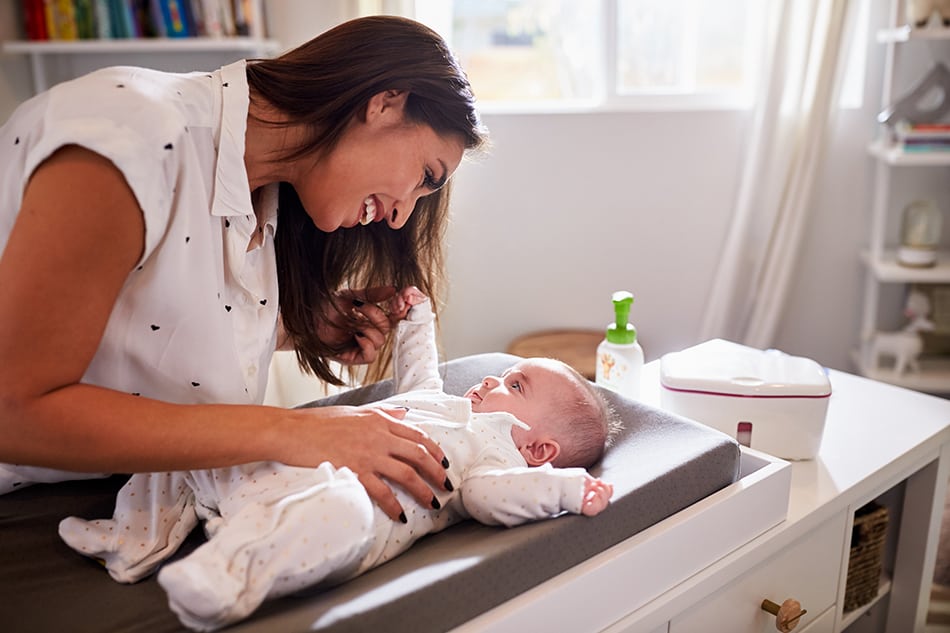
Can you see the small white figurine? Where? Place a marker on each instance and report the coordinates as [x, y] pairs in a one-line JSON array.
[[919, 11], [904, 345]]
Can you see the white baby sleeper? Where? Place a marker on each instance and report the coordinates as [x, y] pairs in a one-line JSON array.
[[275, 529]]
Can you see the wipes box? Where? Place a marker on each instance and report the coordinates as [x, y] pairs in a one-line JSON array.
[[767, 400]]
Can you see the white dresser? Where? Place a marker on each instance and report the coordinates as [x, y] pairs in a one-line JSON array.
[[881, 443]]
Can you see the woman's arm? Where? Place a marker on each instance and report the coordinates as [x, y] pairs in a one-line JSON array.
[[79, 233]]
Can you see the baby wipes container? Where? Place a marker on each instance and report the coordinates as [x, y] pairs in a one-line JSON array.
[[766, 399]]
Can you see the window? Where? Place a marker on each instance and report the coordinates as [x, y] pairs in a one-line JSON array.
[[578, 54]]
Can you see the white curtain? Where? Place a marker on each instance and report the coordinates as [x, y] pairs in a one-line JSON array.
[[793, 108]]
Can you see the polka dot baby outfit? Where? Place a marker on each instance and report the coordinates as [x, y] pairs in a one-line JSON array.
[[275, 529]]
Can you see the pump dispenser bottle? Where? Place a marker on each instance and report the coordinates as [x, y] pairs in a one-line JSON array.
[[619, 356]]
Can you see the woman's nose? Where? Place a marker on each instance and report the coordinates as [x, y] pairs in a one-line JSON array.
[[401, 212]]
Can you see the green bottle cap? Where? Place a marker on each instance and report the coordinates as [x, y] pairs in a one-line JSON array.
[[621, 332]]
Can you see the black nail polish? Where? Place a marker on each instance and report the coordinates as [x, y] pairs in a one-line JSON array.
[[402, 517], [435, 504], [445, 462], [357, 303], [448, 485]]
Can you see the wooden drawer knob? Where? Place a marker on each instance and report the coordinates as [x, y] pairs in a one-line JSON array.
[[786, 614]]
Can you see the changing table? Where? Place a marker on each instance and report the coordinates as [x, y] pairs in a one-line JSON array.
[[782, 530], [881, 442]]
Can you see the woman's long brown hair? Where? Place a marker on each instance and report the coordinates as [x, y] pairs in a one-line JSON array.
[[323, 84]]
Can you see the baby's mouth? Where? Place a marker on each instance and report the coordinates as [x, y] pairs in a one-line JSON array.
[[369, 211]]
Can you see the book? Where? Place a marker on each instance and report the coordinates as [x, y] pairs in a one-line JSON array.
[[34, 19], [194, 17], [61, 20], [211, 17], [916, 148], [85, 19], [172, 18], [103, 17], [911, 131]]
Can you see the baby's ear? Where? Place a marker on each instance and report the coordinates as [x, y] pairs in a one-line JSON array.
[[540, 452]]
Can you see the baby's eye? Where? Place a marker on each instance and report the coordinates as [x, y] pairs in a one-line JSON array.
[[516, 385]]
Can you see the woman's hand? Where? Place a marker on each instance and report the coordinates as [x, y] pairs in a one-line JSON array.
[[370, 441], [357, 325], [360, 320]]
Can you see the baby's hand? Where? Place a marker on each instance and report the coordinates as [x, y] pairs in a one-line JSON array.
[[404, 300], [597, 495]]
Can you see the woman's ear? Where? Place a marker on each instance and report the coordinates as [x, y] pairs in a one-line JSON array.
[[540, 452], [386, 104]]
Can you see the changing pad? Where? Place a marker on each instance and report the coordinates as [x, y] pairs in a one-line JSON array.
[[659, 465]]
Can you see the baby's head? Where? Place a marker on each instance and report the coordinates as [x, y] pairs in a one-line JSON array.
[[571, 423]]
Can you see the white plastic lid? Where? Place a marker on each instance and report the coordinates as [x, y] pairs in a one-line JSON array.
[[722, 367]]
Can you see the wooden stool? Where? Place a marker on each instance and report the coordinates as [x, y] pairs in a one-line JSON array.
[[577, 348]]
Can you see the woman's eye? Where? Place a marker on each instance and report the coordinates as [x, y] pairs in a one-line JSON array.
[[429, 181]]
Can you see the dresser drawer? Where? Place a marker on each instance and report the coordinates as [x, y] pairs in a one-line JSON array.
[[824, 623], [807, 571]]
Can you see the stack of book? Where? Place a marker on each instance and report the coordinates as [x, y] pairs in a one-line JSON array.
[[113, 19], [923, 137]]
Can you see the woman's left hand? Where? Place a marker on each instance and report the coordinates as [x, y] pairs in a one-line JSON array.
[[357, 324]]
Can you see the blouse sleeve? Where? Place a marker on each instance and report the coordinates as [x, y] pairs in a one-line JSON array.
[[112, 113]]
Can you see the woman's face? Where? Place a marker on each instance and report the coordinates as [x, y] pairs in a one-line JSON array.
[[380, 167]]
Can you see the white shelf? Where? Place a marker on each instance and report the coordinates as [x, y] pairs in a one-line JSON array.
[[886, 269], [39, 51], [906, 33], [893, 154], [883, 588], [933, 377], [141, 45]]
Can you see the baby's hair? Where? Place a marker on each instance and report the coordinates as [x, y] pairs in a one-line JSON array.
[[591, 424]]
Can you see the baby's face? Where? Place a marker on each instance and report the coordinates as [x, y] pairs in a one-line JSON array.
[[529, 390]]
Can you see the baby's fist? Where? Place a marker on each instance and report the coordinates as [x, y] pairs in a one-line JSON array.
[[404, 300], [597, 495]]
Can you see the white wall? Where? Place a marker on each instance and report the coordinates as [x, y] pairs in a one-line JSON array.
[[568, 208]]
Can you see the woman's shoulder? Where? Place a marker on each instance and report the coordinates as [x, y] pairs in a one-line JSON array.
[[143, 101]]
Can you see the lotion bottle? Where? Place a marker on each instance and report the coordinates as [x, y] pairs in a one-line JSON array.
[[619, 355]]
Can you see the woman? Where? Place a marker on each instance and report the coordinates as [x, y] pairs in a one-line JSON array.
[[147, 220]]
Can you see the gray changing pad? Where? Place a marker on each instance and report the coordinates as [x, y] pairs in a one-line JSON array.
[[661, 464]]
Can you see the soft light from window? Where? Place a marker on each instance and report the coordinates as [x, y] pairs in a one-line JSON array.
[[529, 50], [617, 54], [684, 46]]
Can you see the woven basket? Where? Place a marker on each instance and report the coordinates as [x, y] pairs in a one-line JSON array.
[[866, 560]]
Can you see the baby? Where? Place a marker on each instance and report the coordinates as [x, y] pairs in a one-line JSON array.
[[517, 446]]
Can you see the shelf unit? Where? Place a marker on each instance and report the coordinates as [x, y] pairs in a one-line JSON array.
[[38, 51], [880, 263], [850, 617], [255, 44]]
